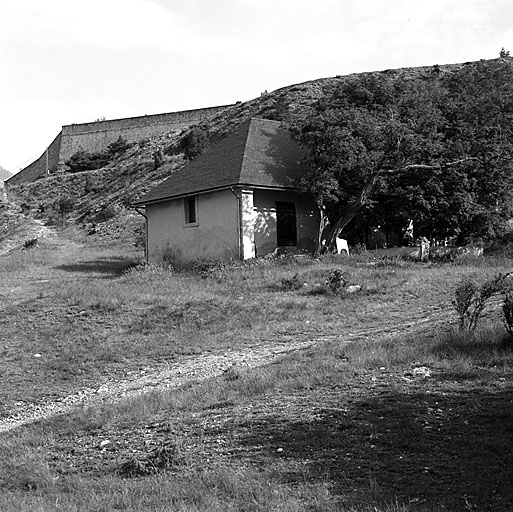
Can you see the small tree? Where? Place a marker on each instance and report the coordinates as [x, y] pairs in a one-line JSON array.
[[118, 146], [158, 158], [194, 142]]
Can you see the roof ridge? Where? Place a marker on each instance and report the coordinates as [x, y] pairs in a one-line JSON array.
[[265, 119], [245, 153]]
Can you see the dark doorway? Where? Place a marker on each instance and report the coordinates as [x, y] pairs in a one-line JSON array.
[[286, 231]]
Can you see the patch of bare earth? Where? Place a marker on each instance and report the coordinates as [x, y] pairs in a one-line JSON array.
[[438, 442]]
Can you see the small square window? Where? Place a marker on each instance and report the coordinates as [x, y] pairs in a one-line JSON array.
[[191, 216]]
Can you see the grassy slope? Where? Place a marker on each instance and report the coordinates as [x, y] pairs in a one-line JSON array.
[[335, 428], [88, 320]]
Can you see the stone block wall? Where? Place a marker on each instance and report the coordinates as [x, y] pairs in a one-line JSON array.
[[96, 136], [37, 169]]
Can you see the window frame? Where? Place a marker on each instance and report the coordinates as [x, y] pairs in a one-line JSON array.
[[187, 202]]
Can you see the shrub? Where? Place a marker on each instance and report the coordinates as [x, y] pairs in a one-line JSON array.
[[92, 160], [159, 158], [104, 213], [163, 457], [471, 299], [194, 142], [293, 283], [88, 161], [30, 244], [63, 205], [118, 146], [336, 280], [140, 236], [507, 312], [90, 184]]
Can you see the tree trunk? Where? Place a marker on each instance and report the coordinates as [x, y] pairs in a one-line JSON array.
[[363, 197], [351, 211], [323, 221]]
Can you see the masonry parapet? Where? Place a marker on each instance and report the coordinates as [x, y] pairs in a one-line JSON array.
[[97, 135]]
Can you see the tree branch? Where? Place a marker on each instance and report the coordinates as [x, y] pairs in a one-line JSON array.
[[363, 197], [426, 167]]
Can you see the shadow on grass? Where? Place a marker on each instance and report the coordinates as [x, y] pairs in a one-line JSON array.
[[108, 267], [446, 451], [477, 349]]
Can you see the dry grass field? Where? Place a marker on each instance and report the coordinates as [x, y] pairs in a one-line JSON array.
[[386, 407]]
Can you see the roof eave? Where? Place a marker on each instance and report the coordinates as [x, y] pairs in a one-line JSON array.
[[216, 189]]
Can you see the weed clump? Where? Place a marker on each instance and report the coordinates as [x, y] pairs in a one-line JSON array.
[[337, 280], [30, 244], [165, 456], [292, 283]]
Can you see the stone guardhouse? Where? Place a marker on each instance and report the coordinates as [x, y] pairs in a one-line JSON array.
[[239, 199]]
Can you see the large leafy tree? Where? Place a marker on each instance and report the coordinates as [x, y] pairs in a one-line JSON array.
[[433, 148]]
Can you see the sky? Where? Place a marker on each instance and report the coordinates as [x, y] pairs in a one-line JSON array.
[[74, 61]]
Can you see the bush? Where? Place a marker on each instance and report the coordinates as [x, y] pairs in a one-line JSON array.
[[471, 298], [104, 213], [118, 146], [336, 280], [88, 161], [293, 283], [163, 457], [194, 142], [507, 312], [92, 160], [30, 244], [90, 184], [63, 205]]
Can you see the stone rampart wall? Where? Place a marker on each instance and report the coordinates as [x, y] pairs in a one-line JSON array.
[[38, 168], [98, 135]]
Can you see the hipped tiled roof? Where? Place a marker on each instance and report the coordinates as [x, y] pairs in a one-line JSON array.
[[259, 154]]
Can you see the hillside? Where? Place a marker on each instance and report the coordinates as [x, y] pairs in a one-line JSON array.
[[98, 201]]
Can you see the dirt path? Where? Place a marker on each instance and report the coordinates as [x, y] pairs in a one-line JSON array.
[[205, 366], [16, 287]]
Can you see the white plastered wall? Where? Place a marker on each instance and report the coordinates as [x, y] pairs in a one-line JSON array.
[[248, 216], [307, 220], [215, 235]]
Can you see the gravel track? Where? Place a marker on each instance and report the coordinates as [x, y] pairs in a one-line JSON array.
[[205, 366]]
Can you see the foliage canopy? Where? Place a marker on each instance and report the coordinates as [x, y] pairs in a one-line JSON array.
[[436, 149]]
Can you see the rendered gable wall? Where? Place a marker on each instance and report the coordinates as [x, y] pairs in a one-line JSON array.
[[215, 237]]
